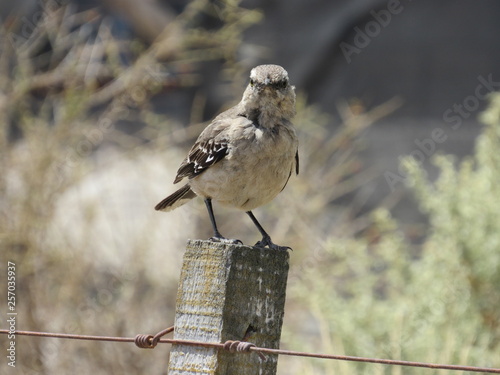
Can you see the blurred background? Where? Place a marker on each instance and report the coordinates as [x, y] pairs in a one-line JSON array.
[[394, 218]]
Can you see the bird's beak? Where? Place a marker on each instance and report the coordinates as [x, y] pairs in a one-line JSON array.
[[267, 82]]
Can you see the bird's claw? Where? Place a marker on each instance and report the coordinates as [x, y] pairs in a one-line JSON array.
[[266, 241], [229, 241]]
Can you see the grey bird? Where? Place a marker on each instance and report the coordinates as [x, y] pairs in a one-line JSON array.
[[246, 155]]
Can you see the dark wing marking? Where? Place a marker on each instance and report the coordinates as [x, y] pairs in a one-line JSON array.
[[297, 162], [202, 155], [296, 170]]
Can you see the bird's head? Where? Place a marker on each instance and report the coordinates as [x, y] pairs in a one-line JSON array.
[[269, 92]]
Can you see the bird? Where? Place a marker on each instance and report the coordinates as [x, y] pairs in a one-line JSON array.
[[246, 155]]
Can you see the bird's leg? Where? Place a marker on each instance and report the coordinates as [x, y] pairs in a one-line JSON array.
[[217, 236], [208, 203], [266, 239]]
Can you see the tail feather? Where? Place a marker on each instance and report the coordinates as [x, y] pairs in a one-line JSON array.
[[177, 199]]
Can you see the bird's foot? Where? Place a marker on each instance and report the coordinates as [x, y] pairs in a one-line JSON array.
[[266, 241], [225, 240]]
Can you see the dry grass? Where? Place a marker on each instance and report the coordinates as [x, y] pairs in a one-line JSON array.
[[77, 193]]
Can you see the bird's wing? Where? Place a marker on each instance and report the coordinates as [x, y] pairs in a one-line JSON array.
[[296, 170], [202, 156], [211, 147]]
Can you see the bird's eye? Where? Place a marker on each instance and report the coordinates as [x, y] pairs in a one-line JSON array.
[[282, 84], [251, 82]]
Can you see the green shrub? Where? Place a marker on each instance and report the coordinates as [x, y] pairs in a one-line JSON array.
[[380, 296]]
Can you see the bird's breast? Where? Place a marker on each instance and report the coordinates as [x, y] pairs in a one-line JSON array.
[[253, 173]]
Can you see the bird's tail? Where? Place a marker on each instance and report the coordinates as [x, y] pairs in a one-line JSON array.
[[177, 199]]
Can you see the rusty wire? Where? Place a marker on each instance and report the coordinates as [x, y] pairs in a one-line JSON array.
[[150, 341]]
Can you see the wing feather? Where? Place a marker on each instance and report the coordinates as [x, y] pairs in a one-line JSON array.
[[201, 157], [211, 147]]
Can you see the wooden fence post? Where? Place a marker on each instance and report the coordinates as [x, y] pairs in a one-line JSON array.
[[227, 292]]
